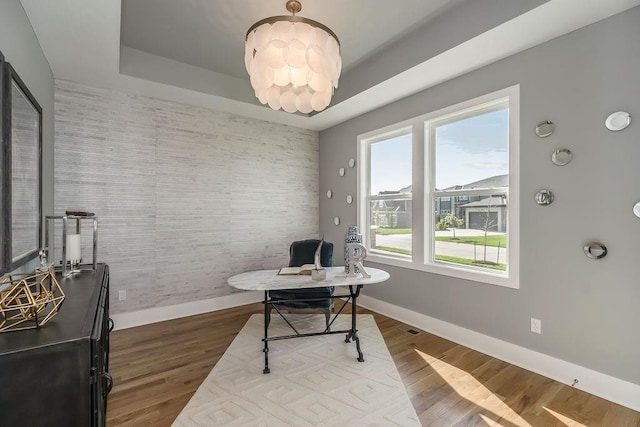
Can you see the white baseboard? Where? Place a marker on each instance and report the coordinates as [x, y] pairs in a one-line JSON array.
[[160, 314], [613, 389]]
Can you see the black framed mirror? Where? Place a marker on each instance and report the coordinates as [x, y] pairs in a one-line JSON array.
[[21, 171], [2, 208]]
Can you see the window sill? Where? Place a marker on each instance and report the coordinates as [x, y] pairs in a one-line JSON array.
[[449, 271]]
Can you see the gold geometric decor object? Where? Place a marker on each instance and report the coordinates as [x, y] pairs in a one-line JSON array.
[[29, 301]]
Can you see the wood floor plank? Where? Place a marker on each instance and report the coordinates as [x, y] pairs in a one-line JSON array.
[[157, 368]]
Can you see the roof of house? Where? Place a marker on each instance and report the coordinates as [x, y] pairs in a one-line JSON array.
[[487, 202], [491, 182]]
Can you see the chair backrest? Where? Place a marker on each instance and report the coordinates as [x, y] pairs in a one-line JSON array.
[[303, 252]]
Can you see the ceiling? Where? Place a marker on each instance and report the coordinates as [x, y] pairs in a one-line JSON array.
[[210, 34], [192, 51]]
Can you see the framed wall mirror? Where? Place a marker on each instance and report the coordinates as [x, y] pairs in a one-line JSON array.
[[2, 208], [21, 171]]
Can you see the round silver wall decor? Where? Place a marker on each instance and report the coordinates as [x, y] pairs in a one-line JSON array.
[[618, 121], [336, 220], [545, 129], [561, 157], [636, 209], [329, 194], [595, 250], [341, 171], [349, 199], [544, 197], [352, 162]]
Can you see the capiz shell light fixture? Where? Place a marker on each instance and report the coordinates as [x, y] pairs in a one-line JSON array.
[[294, 63]]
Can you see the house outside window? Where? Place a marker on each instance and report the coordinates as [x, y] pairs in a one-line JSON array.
[[456, 212]]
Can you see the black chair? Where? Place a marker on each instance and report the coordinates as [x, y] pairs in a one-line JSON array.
[[300, 253]]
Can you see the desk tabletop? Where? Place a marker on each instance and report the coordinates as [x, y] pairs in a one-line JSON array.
[[268, 280]]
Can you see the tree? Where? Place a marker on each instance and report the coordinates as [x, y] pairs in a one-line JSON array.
[[452, 221], [489, 221]]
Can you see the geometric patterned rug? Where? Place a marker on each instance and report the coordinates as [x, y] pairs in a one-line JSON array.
[[314, 381]]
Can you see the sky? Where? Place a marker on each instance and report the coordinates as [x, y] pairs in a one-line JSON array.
[[466, 151], [391, 164]]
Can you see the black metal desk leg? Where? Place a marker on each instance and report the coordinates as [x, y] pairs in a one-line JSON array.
[[267, 312], [353, 333]]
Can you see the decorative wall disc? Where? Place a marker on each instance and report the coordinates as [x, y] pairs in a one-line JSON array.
[[595, 250], [561, 157], [545, 129], [544, 197], [618, 121]]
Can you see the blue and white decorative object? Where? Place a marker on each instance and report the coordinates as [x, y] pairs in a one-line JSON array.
[[357, 253], [352, 236]]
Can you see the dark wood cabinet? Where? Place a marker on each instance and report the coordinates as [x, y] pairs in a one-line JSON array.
[[58, 375]]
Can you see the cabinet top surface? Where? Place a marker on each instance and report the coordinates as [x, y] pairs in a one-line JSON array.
[[74, 320]]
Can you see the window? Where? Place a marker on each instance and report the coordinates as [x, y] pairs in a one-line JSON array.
[[439, 192], [389, 221], [470, 158]]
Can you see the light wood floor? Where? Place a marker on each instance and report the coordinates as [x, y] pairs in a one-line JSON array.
[[157, 368]]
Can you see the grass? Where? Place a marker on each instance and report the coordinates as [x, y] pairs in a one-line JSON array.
[[394, 250], [452, 259], [492, 240], [388, 231], [466, 261]]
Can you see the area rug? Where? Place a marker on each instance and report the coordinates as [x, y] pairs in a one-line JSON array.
[[314, 381]]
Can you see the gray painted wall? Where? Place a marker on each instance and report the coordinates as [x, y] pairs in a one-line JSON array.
[[589, 309], [20, 47], [465, 20], [185, 196]]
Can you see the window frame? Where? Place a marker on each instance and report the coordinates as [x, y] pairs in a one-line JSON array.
[[423, 207], [364, 194]]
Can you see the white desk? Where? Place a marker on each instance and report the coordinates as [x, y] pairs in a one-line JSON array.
[[269, 280]]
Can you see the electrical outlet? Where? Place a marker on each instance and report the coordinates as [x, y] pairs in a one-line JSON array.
[[122, 296], [536, 325]]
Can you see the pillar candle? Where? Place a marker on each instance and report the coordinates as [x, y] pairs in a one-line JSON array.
[[73, 248]]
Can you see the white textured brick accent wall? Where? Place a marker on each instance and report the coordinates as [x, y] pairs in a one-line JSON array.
[[185, 196]]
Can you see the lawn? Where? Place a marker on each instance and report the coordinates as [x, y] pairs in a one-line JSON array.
[[446, 258], [466, 261], [492, 240], [388, 231], [394, 250]]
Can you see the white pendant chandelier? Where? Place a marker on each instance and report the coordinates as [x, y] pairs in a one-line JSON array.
[[294, 63]]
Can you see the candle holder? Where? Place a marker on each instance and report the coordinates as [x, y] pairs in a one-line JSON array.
[[71, 260]]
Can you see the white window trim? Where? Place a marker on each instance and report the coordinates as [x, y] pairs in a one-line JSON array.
[[422, 197]]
